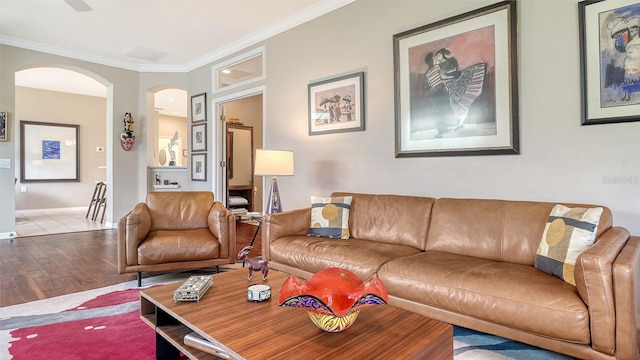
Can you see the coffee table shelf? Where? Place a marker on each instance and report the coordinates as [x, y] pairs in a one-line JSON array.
[[247, 330]]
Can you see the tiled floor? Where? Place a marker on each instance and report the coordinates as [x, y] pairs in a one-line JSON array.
[[54, 221]]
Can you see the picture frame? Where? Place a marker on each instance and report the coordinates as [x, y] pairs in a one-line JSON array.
[[49, 152], [608, 32], [199, 108], [337, 104], [4, 126], [199, 137], [456, 85], [199, 167]]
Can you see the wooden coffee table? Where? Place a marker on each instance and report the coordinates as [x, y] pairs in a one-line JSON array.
[[246, 330]]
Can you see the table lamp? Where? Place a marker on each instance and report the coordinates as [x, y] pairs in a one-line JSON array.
[[273, 163]]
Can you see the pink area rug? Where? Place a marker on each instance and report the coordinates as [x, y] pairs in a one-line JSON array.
[[122, 336], [97, 324]]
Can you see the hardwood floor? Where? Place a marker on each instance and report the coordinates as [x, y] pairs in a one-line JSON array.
[[40, 267]]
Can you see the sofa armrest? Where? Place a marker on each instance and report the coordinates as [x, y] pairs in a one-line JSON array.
[[626, 278], [594, 280], [222, 224], [288, 223], [132, 228]]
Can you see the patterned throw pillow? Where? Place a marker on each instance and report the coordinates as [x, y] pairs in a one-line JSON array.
[[569, 232], [330, 216]]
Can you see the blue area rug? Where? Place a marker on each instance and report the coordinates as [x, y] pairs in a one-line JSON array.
[[470, 344]]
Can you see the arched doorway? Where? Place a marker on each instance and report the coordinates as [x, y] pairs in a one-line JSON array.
[[61, 95]]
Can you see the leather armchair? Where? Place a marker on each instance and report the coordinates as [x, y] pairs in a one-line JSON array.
[[176, 231]]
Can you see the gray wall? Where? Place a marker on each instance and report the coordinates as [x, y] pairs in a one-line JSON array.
[[89, 112], [560, 160]]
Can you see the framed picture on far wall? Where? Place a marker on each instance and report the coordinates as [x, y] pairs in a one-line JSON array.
[[199, 167], [337, 105], [49, 152], [199, 137], [609, 60], [456, 85], [199, 108]]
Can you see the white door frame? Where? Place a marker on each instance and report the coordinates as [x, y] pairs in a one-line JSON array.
[[219, 185]]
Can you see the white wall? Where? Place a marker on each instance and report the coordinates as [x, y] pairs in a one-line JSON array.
[[560, 160]]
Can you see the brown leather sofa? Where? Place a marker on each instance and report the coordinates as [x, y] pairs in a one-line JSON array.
[[470, 262], [176, 231]]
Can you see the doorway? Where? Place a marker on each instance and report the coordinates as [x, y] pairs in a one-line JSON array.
[[244, 112], [45, 95]]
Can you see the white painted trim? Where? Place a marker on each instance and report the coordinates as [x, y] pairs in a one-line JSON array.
[[49, 210], [8, 235], [260, 51]]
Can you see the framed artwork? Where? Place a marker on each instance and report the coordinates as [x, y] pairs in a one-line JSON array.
[[199, 137], [199, 167], [609, 60], [4, 126], [199, 108], [337, 105], [456, 85], [49, 152]]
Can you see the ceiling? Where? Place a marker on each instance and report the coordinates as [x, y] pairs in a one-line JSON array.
[[145, 35]]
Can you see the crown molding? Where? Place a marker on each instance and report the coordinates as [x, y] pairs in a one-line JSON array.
[[78, 55], [317, 10]]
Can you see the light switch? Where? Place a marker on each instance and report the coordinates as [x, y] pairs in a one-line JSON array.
[[5, 163], [99, 149]]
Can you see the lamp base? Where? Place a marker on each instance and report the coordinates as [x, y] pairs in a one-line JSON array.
[[274, 205]]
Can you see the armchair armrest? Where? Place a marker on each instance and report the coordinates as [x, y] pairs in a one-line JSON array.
[[222, 224], [132, 228], [594, 280], [288, 223]]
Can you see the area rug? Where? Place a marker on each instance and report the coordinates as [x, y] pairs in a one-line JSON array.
[[105, 324]]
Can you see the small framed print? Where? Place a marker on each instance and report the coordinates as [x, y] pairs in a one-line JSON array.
[[199, 137], [4, 125], [199, 108], [199, 167], [337, 105]]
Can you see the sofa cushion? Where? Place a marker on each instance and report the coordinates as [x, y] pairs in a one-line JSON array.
[[330, 216], [500, 230], [390, 219], [167, 246], [512, 295], [312, 254], [569, 232]]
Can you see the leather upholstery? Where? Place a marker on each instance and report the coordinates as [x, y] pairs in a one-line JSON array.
[[176, 231], [470, 262]]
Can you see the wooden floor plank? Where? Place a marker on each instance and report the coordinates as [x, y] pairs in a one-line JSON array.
[[40, 267]]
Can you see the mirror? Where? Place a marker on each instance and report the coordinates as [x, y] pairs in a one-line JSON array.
[[240, 166]]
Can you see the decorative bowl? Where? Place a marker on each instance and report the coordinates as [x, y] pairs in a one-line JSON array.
[[332, 297]]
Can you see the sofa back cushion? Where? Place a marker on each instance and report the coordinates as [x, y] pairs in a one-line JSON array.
[[179, 210], [390, 219], [500, 230]]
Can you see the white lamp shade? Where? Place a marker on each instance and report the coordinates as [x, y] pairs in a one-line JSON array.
[[273, 162]]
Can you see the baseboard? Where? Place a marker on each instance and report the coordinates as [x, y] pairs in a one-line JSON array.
[[50, 210], [8, 235]]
